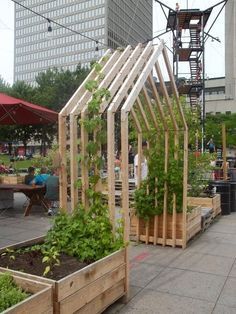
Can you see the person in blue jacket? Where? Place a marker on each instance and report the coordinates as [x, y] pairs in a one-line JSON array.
[[41, 178]]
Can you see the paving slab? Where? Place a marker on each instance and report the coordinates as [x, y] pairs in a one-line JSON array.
[[206, 263], [233, 271], [163, 256], [189, 284], [212, 248], [159, 302], [222, 309], [228, 295], [141, 273]]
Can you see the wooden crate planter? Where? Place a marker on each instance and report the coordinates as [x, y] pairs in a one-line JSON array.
[[211, 202], [147, 230], [40, 301], [89, 290], [13, 179]]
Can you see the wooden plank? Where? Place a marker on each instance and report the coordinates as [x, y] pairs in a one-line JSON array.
[[62, 151], [73, 161], [84, 168], [165, 189], [81, 90], [80, 279], [119, 79], [142, 77], [166, 96], [131, 76], [150, 108], [174, 88], [125, 190], [103, 300], [158, 102], [85, 295], [143, 114], [136, 121], [111, 163], [39, 302]]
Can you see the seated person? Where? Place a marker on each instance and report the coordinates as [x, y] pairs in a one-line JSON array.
[[30, 176], [52, 192], [41, 178]]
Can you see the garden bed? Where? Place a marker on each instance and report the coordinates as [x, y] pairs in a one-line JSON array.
[[88, 290], [154, 231], [211, 202], [39, 301]]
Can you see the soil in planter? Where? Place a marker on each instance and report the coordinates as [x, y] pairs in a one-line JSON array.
[[31, 263]]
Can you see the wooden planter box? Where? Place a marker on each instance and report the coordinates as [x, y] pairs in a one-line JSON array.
[[211, 202], [13, 179], [41, 300], [89, 290], [152, 231]]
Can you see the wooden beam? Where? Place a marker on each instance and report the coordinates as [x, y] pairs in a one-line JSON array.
[[150, 62], [150, 108], [63, 172], [166, 96], [81, 90], [125, 190], [132, 75], [143, 114], [158, 102], [121, 75], [84, 168], [136, 121], [73, 161], [104, 83], [110, 165], [174, 88]]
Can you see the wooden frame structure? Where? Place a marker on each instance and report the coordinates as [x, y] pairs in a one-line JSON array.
[[128, 76]]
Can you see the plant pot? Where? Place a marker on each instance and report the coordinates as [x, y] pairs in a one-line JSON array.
[[40, 301], [153, 230], [89, 290], [211, 202]]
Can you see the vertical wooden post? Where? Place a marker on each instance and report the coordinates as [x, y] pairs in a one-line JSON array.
[[73, 161], [110, 165], [225, 175], [138, 176], [84, 168], [165, 190], [63, 172], [185, 185], [125, 190]]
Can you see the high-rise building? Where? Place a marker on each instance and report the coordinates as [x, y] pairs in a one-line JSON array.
[[230, 49], [112, 23]]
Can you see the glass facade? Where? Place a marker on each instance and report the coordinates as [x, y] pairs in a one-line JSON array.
[[107, 21]]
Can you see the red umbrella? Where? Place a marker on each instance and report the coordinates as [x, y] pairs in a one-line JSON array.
[[17, 111]]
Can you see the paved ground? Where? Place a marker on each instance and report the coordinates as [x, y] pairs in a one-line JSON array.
[[200, 279]]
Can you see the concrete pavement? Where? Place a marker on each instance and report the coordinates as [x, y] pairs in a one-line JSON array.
[[200, 279]]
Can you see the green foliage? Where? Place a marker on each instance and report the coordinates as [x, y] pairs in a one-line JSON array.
[[10, 293], [86, 235], [197, 170], [214, 129], [149, 198]]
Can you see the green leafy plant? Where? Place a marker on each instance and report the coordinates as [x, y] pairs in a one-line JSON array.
[[10, 293]]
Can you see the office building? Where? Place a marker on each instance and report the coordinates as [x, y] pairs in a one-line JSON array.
[[112, 23]]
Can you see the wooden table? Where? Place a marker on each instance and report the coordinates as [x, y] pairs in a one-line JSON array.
[[34, 193]]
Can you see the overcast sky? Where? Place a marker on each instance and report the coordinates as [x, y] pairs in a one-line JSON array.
[[214, 50]]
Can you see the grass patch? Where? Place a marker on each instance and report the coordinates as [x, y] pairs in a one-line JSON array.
[[17, 164]]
